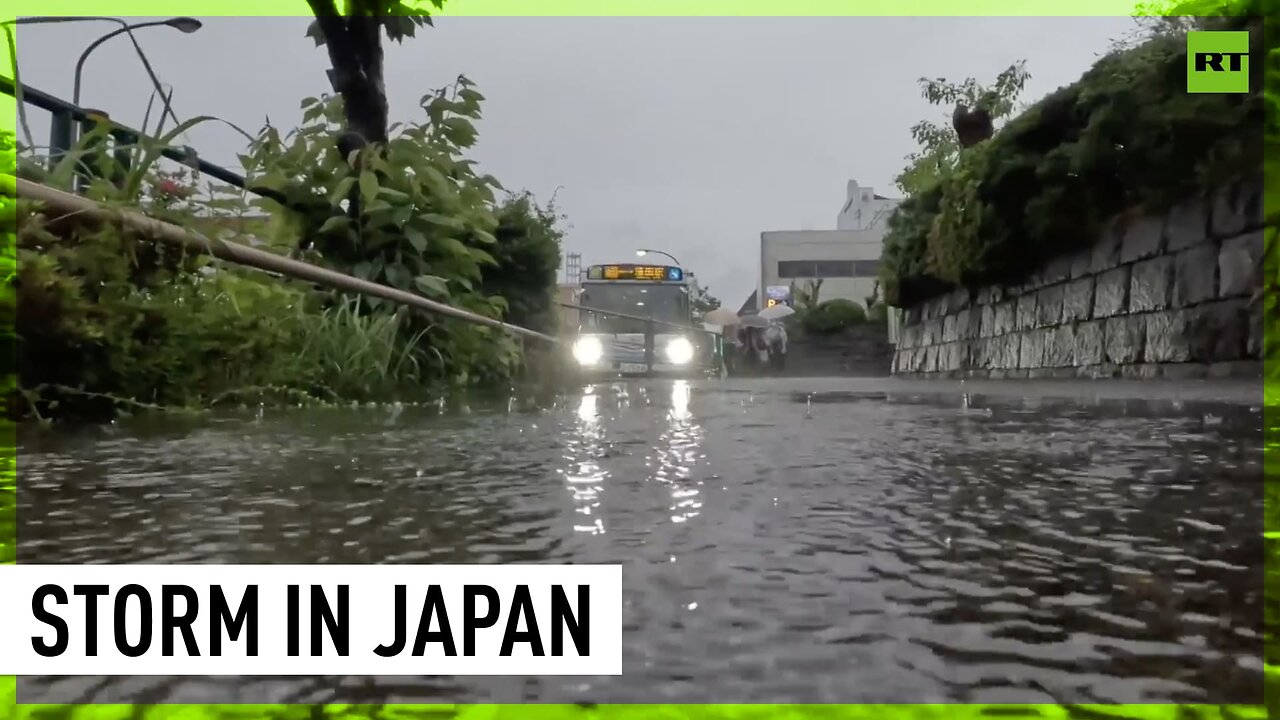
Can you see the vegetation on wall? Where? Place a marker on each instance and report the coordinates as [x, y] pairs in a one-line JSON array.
[[1126, 135], [111, 321]]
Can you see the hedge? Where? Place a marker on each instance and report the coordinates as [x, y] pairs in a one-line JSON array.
[[1126, 137]]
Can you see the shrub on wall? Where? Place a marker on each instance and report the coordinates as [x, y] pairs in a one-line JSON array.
[[1126, 136], [833, 316]]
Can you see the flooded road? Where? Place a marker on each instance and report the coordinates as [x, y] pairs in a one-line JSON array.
[[835, 541]]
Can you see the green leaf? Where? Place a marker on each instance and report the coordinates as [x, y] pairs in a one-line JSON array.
[[442, 220], [337, 222], [399, 277], [454, 247], [342, 190], [393, 194], [416, 239], [484, 237], [432, 285], [433, 178], [368, 187], [482, 257]]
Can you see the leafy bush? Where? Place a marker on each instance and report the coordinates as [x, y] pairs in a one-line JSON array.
[[832, 316], [527, 253], [1126, 135], [111, 320]]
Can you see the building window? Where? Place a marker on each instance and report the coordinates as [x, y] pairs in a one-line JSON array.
[[793, 269], [796, 269], [866, 268], [833, 268]]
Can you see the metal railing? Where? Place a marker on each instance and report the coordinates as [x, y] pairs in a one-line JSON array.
[[66, 115], [75, 205]]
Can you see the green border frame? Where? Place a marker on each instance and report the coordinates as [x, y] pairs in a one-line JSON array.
[[544, 8]]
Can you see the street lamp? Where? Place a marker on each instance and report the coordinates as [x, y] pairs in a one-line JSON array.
[[641, 252], [61, 135], [185, 25]]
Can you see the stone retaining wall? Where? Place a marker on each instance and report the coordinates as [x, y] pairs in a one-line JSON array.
[[1175, 295]]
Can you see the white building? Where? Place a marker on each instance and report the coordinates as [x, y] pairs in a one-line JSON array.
[[846, 260], [864, 209]]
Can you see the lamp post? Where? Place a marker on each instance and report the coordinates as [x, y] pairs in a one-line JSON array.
[[641, 252], [61, 132], [185, 25]]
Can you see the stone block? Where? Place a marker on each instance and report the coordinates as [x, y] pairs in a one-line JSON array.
[[1240, 265], [1057, 270], [1049, 306], [1187, 225], [959, 299], [1143, 238], [911, 316], [1088, 343], [932, 332], [1111, 293], [1026, 312], [1077, 300], [1123, 339], [1167, 334], [1218, 331], [1236, 210], [1081, 260], [1150, 284], [1195, 275], [942, 305], [987, 321], [1005, 317], [1031, 352], [1009, 349], [908, 337], [1105, 253], [969, 323], [1060, 346], [949, 329]]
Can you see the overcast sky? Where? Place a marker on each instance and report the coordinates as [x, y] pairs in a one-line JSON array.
[[691, 135]]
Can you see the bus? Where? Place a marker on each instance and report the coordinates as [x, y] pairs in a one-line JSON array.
[[637, 320]]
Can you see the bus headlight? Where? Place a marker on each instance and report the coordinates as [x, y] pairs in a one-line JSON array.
[[679, 351], [588, 350]]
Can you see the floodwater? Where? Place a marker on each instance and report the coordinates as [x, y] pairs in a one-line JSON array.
[[798, 541]]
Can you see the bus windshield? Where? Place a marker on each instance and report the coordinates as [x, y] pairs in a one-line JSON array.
[[665, 303]]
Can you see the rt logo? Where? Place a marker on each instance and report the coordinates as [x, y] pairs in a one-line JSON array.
[[1217, 62]]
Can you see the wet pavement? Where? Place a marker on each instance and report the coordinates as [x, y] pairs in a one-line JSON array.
[[788, 540]]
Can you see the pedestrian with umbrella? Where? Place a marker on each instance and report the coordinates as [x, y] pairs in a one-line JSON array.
[[775, 336]]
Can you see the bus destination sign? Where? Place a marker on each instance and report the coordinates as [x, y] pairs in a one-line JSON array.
[[647, 273]]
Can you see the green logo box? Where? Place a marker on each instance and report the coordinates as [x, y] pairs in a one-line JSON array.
[[1217, 62]]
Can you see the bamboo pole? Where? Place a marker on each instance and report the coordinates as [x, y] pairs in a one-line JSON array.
[[69, 205]]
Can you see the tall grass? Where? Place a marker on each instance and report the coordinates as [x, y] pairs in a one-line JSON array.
[[353, 353]]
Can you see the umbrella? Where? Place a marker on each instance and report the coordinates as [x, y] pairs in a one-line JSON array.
[[777, 312], [721, 316], [754, 321]]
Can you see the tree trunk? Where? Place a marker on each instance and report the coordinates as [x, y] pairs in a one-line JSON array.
[[354, 45]]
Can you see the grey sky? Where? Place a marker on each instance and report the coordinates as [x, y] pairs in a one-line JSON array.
[[690, 135]]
